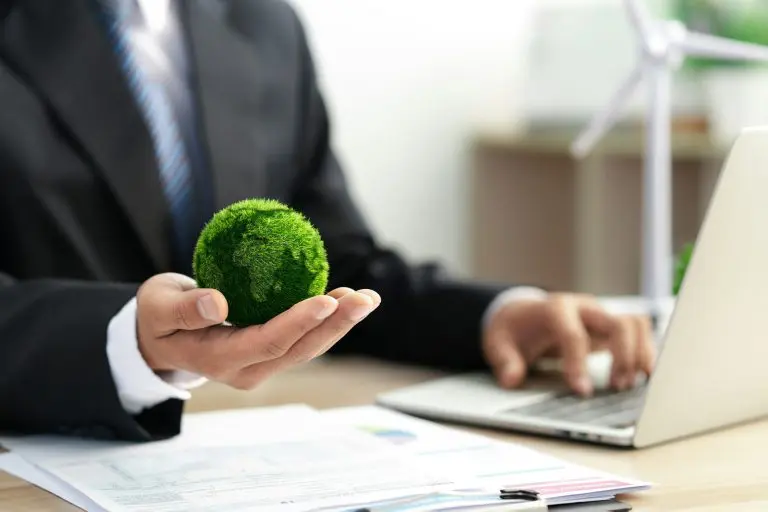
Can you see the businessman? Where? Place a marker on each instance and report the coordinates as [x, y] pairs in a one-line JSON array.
[[125, 125]]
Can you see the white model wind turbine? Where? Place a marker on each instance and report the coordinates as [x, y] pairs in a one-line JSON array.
[[664, 44]]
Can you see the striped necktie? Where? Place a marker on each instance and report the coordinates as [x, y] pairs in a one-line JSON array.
[[152, 97]]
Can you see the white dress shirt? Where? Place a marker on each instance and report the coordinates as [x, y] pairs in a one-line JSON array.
[[138, 386]]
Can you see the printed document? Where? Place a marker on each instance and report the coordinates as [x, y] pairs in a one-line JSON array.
[[282, 459], [294, 458], [482, 462]]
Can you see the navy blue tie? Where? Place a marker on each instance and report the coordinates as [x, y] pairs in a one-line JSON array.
[[152, 97]]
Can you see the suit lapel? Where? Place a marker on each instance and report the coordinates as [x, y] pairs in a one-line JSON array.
[[228, 90], [59, 47]]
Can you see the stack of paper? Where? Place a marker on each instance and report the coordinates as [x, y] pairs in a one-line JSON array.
[[292, 458], [482, 462]]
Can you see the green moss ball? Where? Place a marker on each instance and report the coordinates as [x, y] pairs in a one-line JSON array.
[[263, 257]]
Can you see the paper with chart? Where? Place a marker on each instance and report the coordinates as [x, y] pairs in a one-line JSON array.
[[294, 458], [282, 459], [484, 462]]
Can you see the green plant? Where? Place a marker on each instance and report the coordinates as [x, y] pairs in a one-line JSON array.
[[681, 266], [263, 257], [742, 20]]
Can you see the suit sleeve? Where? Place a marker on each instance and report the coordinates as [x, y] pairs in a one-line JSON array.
[[426, 317], [54, 372]]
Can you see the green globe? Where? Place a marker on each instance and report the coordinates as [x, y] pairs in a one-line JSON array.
[[263, 257]]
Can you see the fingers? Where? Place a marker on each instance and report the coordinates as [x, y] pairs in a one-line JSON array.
[[623, 346], [353, 307], [646, 346], [375, 297], [275, 338], [567, 327], [340, 292], [634, 351], [629, 338], [503, 356], [571, 326], [180, 281], [617, 334]]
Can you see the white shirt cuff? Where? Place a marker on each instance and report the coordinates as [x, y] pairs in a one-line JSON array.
[[509, 296], [138, 386]]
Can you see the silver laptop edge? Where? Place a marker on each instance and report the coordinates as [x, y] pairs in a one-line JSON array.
[[710, 372]]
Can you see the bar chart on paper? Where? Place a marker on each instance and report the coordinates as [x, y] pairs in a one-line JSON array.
[[393, 435]]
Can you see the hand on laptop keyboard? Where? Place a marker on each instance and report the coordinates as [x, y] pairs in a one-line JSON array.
[[525, 326]]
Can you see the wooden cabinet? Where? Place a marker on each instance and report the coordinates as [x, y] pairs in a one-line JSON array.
[[541, 217]]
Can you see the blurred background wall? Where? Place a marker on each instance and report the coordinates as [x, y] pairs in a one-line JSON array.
[[412, 85], [405, 82]]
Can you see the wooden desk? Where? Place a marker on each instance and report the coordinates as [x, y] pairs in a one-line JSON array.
[[724, 471]]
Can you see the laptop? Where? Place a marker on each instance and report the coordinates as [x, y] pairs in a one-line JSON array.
[[711, 367]]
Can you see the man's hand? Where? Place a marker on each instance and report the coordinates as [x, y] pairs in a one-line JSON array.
[[568, 326], [179, 327]]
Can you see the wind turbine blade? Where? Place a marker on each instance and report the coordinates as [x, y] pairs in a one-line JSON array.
[[606, 118], [640, 18], [704, 45]]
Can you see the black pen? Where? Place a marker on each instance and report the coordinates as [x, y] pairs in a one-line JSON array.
[[508, 500]]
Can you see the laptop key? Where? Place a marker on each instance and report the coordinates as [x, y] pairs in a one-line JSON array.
[[606, 407]]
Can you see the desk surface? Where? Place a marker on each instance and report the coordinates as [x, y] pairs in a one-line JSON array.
[[720, 471]]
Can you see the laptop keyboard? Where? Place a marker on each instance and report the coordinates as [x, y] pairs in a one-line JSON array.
[[607, 408]]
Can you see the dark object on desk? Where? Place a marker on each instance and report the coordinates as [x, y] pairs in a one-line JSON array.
[[519, 494], [594, 506]]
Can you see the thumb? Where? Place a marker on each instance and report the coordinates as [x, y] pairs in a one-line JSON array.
[[197, 309], [175, 304]]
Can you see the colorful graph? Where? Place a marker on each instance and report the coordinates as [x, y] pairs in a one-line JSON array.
[[393, 435]]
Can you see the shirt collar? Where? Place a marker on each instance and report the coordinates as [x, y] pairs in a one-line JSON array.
[[154, 12]]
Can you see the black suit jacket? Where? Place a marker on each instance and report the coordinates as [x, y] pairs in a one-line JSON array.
[[83, 218]]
